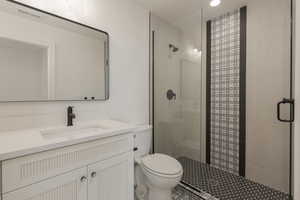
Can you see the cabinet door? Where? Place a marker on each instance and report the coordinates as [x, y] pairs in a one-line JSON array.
[[69, 186], [112, 179]]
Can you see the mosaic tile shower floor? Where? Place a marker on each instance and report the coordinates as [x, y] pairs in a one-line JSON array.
[[224, 185]]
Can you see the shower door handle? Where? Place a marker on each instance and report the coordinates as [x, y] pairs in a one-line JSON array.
[[292, 110]]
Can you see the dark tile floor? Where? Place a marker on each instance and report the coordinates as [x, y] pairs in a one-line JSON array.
[[224, 185]]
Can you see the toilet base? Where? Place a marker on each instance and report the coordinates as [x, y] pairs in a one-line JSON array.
[[159, 194]]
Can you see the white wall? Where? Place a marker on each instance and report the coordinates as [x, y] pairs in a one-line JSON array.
[[297, 109], [29, 69], [127, 24]]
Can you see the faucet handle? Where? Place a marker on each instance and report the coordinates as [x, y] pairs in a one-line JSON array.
[[70, 116]]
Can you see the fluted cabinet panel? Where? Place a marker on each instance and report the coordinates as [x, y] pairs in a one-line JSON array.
[[112, 179], [27, 170], [70, 186]]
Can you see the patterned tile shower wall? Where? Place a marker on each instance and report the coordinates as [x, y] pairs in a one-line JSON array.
[[225, 92]]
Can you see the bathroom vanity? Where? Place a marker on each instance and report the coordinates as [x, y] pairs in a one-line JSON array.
[[60, 60], [93, 161]]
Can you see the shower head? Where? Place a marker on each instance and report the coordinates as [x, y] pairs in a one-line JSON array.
[[173, 48]]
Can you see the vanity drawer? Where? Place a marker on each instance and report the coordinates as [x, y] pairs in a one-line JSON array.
[[23, 171]]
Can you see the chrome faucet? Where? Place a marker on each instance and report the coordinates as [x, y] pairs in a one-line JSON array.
[[70, 116]]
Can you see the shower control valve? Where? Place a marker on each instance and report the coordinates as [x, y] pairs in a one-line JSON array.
[[171, 95]]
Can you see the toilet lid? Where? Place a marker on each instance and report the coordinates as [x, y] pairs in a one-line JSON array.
[[162, 164]]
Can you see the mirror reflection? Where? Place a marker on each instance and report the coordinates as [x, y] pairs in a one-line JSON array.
[[44, 57]]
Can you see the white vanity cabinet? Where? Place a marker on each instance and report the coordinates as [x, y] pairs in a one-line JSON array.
[[97, 170], [111, 179]]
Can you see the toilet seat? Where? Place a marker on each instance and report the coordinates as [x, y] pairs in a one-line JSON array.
[[162, 165]]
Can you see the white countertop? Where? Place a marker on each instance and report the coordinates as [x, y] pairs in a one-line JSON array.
[[19, 143]]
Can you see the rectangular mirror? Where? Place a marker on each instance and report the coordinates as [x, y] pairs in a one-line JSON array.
[[44, 57]]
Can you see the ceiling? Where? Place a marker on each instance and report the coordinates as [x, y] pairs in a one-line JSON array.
[[177, 11]]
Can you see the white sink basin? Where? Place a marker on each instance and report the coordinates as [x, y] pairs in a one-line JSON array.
[[71, 132], [82, 130]]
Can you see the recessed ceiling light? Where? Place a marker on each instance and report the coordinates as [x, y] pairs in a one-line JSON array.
[[215, 3]]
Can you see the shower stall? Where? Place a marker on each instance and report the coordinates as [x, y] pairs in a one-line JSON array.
[[218, 77], [177, 89]]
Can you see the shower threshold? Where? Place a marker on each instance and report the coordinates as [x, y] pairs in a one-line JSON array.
[[211, 183], [186, 192]]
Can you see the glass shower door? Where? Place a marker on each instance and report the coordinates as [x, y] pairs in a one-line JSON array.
[[177, 88], [217, 81]]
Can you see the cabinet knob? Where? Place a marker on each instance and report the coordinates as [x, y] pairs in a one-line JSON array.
[[93, 174], [83, 179]]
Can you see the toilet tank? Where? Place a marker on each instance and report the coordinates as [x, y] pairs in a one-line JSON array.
[[142, 141]]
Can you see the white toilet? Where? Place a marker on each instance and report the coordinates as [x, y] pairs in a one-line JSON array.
[[158, 172]]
